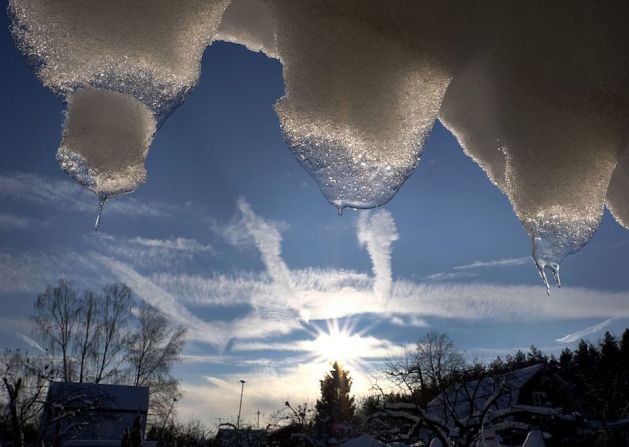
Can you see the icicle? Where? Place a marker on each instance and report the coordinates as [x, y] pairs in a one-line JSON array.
[[102, 198], [553, 237], [541, 268], [339, 210]]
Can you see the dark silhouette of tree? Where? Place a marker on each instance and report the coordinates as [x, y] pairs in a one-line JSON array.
[[335, 405], [97, 338], [24, 384], [113, 332], [151, 354], [57, 313]]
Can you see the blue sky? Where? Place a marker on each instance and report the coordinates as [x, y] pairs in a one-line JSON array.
[[231, 237]]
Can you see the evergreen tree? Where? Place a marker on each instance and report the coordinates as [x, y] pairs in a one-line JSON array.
[[335, 405]]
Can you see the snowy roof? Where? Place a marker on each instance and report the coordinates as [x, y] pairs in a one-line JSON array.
[[116, 397], [476, 392], [104, 411], [363, 441]]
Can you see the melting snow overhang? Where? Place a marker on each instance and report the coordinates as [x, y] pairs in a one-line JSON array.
[[536, 92]]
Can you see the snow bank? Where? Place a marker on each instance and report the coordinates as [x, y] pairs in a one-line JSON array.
[[537, 93], [363, 441], [534, 439]]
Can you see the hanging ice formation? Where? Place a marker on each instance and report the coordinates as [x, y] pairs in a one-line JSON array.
[[537, 93], [121, 67]]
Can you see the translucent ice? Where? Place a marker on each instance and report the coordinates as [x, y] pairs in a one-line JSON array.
[[122, 67], [364, 83], [618, 192], [543, 113]]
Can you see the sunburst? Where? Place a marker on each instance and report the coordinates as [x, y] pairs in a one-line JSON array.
[[341, 344]]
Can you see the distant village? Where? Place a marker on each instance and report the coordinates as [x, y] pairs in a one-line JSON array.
[[103, 377]]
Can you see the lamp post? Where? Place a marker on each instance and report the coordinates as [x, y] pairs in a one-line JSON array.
[[242, 389]]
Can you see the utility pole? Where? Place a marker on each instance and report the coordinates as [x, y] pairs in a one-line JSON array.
[[258, 418], [242, 389]]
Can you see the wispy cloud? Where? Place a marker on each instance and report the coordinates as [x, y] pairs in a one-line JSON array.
[[181, 244], [276, 304], [263, 321], [447, 276], [409, 321], [13, 222], [148, 291], [30, 272], [376, 232], [495, 263], [363, 346], [250, 229], [29, 341], [576, 336], [35, 188], [265, 390], [156, 253]]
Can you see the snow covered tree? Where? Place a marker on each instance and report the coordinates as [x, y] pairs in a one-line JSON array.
[[336, 405]]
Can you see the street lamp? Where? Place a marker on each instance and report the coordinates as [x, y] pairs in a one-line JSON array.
[[242, 389]]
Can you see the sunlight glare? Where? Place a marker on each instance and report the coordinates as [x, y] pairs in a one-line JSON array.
[[340, 344]]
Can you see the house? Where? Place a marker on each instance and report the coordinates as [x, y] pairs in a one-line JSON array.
[[90, 415], [511, 405], [229, 435]]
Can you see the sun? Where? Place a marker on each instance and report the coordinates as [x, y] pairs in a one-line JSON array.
[[339, 344]]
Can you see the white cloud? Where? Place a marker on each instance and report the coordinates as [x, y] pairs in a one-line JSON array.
[[35, 188], [376, 232], [276, 303], [571, 338], [29, 341], [168, 304], [266, 389], [495, 263], [12, 222], [266, 236], [175, 244], [447, 276], [409, 321], [156, 253], [30, 272], [362, 346], [263, 321]]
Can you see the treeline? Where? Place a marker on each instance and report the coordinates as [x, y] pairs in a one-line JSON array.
[[589, 382], [86, 336]]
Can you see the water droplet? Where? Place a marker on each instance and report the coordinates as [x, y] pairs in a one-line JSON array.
[[339, 210], [102, 198]]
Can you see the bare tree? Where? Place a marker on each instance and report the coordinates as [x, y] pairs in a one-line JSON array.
[[435, 373], [113, 332], [86, 331], [102, 338], [436, 361], [152, 352], [56, 315], [25, 381]]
